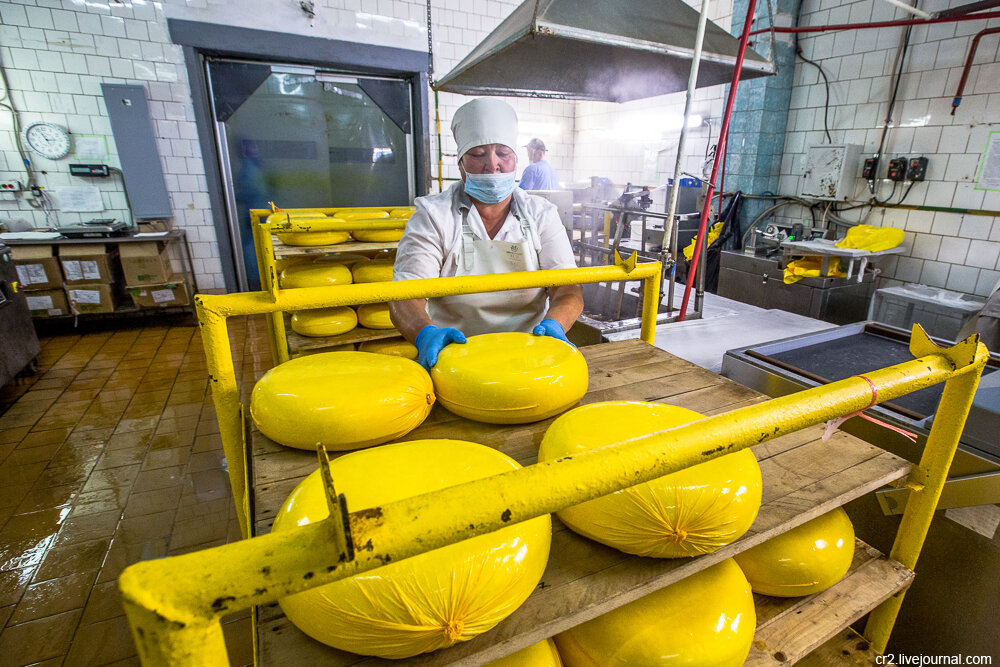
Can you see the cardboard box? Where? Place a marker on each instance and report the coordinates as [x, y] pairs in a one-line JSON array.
[[95, 298], [145, 263], [173, 293], [47, 303], [153, 226], [88, 263], [37, 267]]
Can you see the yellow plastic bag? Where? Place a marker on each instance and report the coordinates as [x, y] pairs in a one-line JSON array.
[[324, 321], [804, 560], [345, 400], [811, 267], [705, 620], [510, 378], [689, 513], [542, 654], [430, 601], [872, 239], [713, 234]]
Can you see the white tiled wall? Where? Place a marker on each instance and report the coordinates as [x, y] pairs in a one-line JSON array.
[[56, 53], [956, 251]]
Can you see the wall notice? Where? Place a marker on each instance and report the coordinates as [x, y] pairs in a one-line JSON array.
[[989, 166]]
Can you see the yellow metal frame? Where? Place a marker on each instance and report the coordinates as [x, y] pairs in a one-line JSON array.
[[266, 263], [174, 605]]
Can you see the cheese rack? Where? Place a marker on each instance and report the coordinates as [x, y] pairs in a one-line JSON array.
[[286, 343], [175, 604]]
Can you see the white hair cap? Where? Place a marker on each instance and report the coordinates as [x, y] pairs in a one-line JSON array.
[[486, 120]]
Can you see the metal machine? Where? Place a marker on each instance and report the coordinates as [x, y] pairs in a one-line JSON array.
[[957, 573], [20, 343]]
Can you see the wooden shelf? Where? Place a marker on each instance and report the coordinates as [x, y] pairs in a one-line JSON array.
[[803, 478], [282, 251]]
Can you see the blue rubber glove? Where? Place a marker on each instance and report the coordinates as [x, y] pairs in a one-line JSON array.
[[431, 340], [549, 327]]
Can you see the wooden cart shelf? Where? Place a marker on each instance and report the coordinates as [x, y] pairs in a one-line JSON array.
[[281, 251], [298, 343], [803, 478]]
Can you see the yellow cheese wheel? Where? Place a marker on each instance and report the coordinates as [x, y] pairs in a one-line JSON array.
[[374, 316], [398, 347], [316, 274], [705, 620], [430, 601], [691, 512], [402, 212], [295, 260], [542, 654], [324, 321], [510, 378], [804, 560], [377, 235], [346, 347], [293, 215], [314, 238], [362, 214], [344, 400], [372, 271]]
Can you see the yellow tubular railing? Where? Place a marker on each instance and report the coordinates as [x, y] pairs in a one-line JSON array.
[[174, 604]]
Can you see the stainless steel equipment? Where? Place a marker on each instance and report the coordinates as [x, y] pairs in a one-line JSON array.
[[20, 344], [955, 587], [598, 50]]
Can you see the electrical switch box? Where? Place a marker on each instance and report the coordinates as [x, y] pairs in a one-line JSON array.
[[830, 171], [917, 170], [11, 186], [870, 171], [89, 170], [897, 169]]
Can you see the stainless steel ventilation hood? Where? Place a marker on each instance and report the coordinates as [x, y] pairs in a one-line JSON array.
[[610, 50]]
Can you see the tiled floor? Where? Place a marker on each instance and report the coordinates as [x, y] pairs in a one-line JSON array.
[[110, 454]]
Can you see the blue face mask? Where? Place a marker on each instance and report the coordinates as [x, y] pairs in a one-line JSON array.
[[489, 188]]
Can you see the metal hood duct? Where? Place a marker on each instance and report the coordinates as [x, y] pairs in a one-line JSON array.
[[598, 50]]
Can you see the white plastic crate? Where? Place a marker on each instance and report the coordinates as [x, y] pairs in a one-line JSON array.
[[942, 313]]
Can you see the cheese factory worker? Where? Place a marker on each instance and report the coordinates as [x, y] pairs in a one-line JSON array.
[[483, 224], [539, 175]]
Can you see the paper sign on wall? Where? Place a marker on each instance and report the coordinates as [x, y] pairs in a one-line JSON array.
[[90, 146], [989, 165], [80, 198]]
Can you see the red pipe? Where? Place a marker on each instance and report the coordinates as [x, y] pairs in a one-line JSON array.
[[882, 24], [968, 66], [720, 153]]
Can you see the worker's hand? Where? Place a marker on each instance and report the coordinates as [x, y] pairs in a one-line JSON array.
[[431, 340], [549, 327]]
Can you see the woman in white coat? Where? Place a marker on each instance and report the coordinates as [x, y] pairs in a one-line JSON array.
[[483, 224]]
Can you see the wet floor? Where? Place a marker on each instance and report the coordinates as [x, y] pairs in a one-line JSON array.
[[109, 454]]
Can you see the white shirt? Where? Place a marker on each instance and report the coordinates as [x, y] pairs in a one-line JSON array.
[[431, 246]]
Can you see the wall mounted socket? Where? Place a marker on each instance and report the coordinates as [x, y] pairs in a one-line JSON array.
[[11, 186]]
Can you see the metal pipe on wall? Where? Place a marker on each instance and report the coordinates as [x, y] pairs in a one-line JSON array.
[[720, 152], [968, 65], [882, 24]]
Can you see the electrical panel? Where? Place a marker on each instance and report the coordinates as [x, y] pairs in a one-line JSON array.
[[830, 171], [897, 169], [870, 170], [917, 169], [89, 170]]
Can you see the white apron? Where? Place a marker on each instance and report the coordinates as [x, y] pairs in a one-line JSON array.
[[515, 310]]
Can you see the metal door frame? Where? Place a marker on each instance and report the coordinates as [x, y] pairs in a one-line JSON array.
[[199, 39]]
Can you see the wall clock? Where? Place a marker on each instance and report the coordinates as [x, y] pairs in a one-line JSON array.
[[48, 140]]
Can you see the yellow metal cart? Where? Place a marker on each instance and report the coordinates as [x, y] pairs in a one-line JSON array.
[[174, 604]]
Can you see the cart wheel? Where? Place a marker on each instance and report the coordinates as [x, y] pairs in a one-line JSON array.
[[32, 366]]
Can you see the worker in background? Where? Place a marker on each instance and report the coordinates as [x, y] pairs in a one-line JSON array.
[[483, 224], [539, 175]]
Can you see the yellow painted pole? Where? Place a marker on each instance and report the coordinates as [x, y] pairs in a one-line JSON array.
[[267, 269], [926, 482], [169, 599], [650, 307]]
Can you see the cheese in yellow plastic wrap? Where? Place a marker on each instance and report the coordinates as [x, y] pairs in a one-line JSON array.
[[362, 214], [688, 513], [705, 620], [373, 271], [294, 216], [510, 378], [324, 321], [346, 347], [541, 654], [344, 400], [314, 238], [374, 316], [430, 601], [377, 235], [402, 212], [320, 273], [398, 347], [805, 560]]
